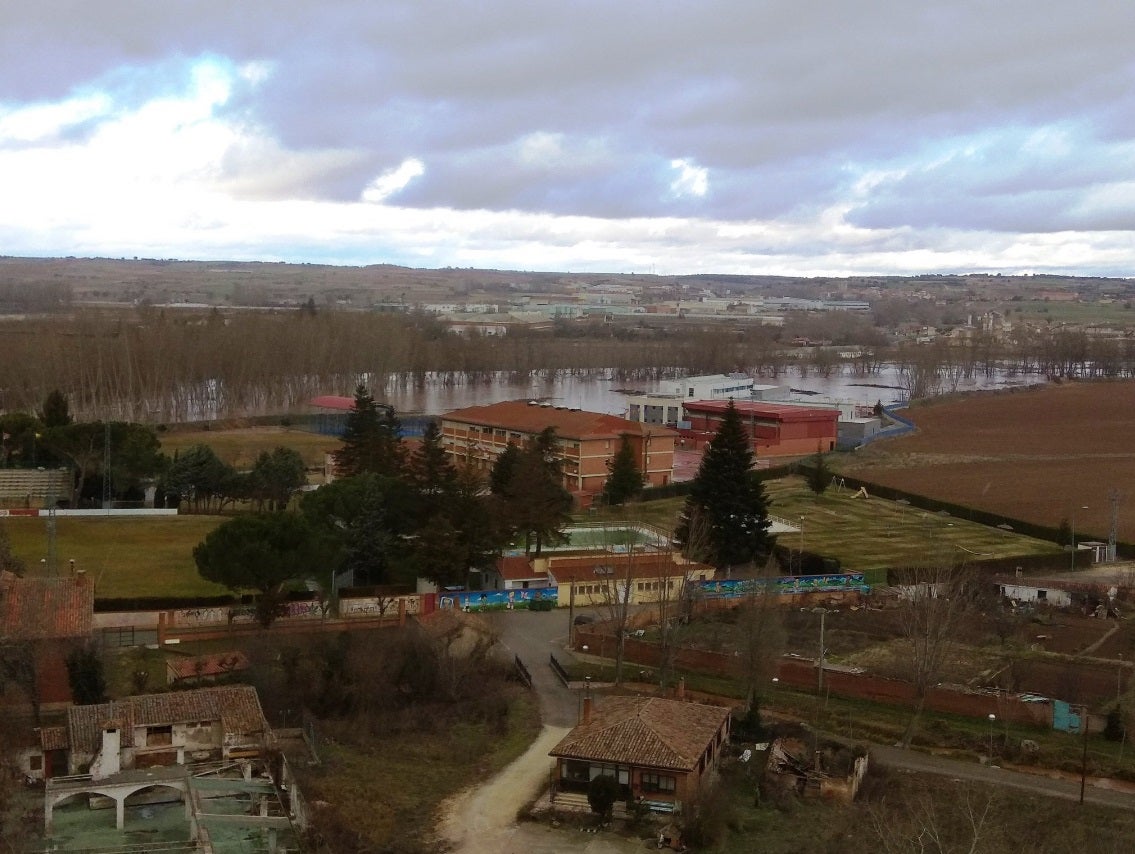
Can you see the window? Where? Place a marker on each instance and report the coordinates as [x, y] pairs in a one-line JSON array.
[[658, 783], [1042, 595], [35, 762], [159, 736]]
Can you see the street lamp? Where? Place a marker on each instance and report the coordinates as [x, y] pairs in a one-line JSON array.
[[992, 718], [1082, 507]]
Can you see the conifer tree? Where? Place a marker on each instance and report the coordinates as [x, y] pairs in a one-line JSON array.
[[819, 475], [725, 519], [370, 441], [624, 480]]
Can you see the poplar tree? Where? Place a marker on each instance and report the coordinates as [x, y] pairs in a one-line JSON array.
[[725, 520]]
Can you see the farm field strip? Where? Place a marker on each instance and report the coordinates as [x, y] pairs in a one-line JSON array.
[[1042, 455]]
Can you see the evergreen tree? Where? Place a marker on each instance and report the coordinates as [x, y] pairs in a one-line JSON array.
[[725, 519], [819, 475], [56, 410], [430, 471], [532, 501], [85, 675], [262, 552], [370, 440], [276, 476], [624, 480], [504, 469]]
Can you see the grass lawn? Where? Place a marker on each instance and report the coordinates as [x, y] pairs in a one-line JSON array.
[[240, 448], [871, 534], [125, 556], [866, 535]]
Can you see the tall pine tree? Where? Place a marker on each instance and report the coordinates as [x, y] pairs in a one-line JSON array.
[[725, 520], [370, 442], [624, 480]]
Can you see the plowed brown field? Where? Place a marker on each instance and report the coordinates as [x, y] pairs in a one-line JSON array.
[[1039, 454]]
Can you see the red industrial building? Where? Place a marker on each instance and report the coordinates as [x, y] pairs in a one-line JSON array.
[[776, 429]]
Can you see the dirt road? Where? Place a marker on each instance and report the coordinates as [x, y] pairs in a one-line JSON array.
[[1096, 791], [482, 820]]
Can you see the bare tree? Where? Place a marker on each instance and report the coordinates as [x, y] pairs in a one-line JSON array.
[[761, 634], [933, 602], [921, 822]]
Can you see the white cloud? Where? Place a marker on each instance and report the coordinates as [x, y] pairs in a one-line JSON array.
[[692, 180], [394, 180], [521, 135], [35, 122]]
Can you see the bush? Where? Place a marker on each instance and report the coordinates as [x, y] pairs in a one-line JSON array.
[[602, 792], [541, 605]]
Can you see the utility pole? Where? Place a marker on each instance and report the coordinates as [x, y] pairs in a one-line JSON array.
[[1114, 497]]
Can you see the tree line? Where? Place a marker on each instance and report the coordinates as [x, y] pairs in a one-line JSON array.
[[154, 366]]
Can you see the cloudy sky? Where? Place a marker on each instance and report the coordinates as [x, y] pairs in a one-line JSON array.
[[757, 136]]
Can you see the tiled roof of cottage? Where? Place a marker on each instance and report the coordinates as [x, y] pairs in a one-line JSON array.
[[53, 738], [653, 732], [236, 706], [44, 608], [201, 666], [529, 418], [517, 568]]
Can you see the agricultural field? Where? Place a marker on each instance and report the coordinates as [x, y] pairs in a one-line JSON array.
[[124, 556], [1042, 455]]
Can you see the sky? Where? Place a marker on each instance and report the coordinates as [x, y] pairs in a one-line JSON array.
[[790, 137]]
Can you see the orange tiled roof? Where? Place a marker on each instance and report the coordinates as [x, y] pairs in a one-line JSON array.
[[525, 417], [654, 732], [43, 608], [236, 706], [207, 665], [517, 568]]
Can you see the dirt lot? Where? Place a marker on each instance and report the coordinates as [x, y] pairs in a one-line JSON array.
[[1036, 454]]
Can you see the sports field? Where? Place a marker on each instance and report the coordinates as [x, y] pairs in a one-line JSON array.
[[1042, 455], [125, 556]]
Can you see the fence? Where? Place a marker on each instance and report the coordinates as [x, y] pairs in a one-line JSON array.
[[801, 673], [559, 670]]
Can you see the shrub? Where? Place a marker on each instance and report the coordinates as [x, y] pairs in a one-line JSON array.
[[602, 792]]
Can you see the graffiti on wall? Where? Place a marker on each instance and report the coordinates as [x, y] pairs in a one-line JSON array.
[[836, 582], [496, 600]]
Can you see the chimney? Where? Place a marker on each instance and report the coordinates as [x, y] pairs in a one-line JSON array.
[[682, 688], [109, 760], [586, 711]]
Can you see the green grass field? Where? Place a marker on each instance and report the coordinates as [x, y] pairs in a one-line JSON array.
[[865, 535], [154, 557], [240, 448], [125, 556]]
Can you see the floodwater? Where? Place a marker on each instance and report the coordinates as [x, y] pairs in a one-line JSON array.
[[603, 394]]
